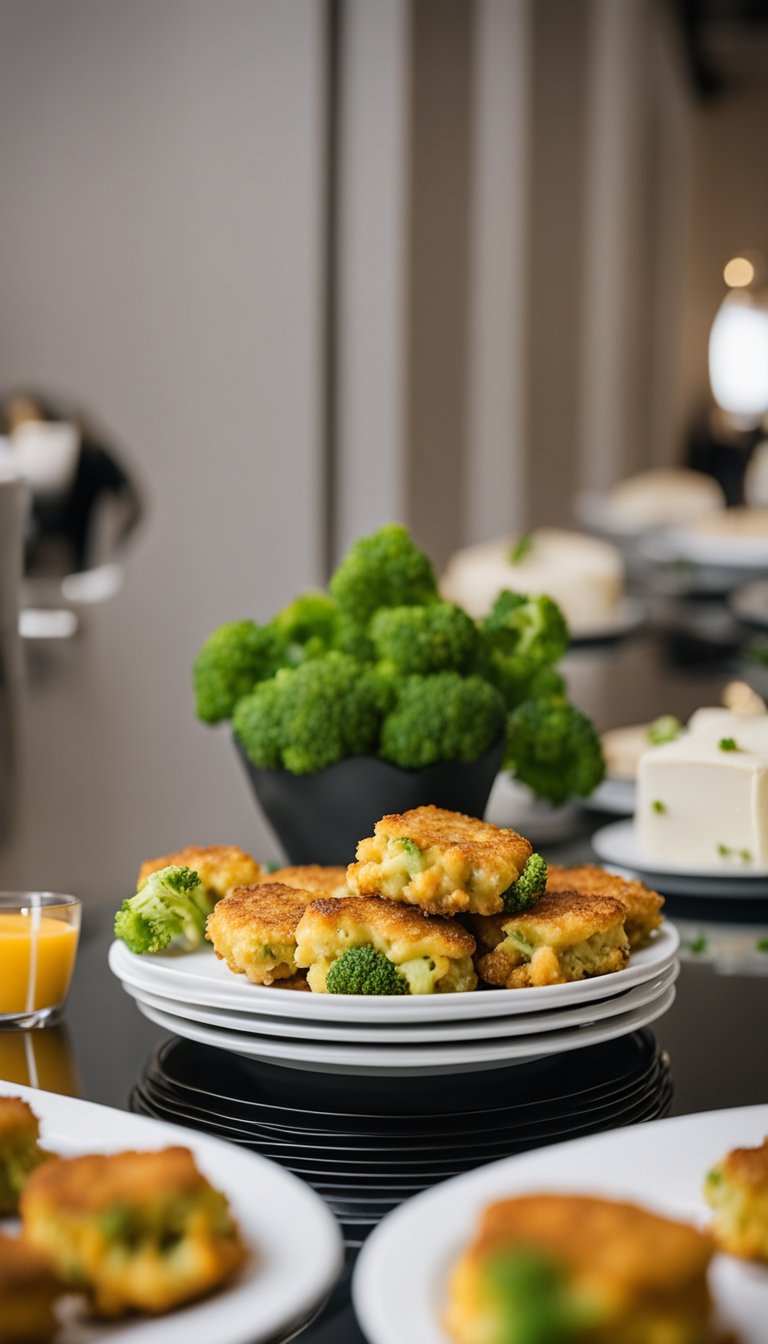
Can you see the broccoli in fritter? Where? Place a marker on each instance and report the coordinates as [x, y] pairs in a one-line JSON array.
[[20, 1151]]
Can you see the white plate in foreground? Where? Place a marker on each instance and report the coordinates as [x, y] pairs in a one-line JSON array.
[[660, 1165], [200, 978], [296, 1242], [398, 1060], [617, 844]]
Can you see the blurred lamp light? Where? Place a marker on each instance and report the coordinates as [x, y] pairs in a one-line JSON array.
[[738, 356], [738, 272]]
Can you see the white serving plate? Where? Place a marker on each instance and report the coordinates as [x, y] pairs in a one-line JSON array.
[[297, 1244], [479, 1029], [200, 978], [616, 843], [629, 617], [660, 1165], [332, 1057], [616, 796]]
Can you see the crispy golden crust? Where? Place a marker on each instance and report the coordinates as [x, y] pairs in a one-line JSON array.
[[97, 1181], [28, 1290], [643, 906], [748, 1166], [17, 1121], [565, 936], [460, 863], [136, 1231], [737, 1190], [315, 877], [23, 1269], [389, 920], [220, 867], [253, 929]]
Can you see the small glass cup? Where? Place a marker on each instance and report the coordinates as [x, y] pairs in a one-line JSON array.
[[39, 932]]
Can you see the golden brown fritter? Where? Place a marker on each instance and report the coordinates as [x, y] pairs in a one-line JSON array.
[[737, 1189], [434, 955], [632, 1276], [443, 862], [20, 1151], [642, 905], [564, 936], [136, 1231], [219, 867], [28, 1291], [253, 929], [316, 877]]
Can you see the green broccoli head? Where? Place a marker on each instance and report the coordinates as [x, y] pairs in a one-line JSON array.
[[384, 570], [310, 716], [554, 749], [442, 717], [363, 970], [533, 1303], [170, 908], [435, 638], [529, 886], [231, 662], [520, 639], [308, 626]]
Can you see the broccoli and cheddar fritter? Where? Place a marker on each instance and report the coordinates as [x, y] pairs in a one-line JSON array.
[[322, 879], [567, 1269], [136, 1231], [443, 862], [642, 905], [253, 929], [28, 1291], [565, 936], [737, 1189], [20, 1151], [366, 945], [219, 867]]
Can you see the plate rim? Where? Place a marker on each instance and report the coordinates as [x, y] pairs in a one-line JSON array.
[[633, 859]]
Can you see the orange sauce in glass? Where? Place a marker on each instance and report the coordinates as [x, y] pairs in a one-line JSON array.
[[51, 960]]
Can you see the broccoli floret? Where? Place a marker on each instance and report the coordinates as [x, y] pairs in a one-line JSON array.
[[436, 638], [520, 639], [231, 662], [170, 907], [310, 716], [363, 970], [384, 570], [308, 626], [526, 891], [554, 749], [664, 729], [530, 1291], [442, 717], [353, 639]]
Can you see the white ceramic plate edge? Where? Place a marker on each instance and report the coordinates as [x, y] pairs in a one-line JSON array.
[[617, 843]]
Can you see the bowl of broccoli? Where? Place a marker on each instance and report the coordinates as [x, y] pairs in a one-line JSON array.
[[378, 696]]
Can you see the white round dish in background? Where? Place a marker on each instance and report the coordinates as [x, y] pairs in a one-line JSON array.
[[711, 549], [398, 1060], [631, 616], [409, 1034], [296, 1242], [616, 796], [661, 1166], [200, 978], [617, 844]]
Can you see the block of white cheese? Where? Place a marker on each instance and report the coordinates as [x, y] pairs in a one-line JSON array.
[[583, 575], [701, 806], [748, 731]]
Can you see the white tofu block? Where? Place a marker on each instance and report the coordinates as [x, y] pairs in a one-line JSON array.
[[749, 731], [700, 806]]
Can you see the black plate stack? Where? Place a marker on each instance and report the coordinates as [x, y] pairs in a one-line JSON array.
[[366, 1144]]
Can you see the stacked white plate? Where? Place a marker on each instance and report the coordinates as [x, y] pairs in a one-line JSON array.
[[197, 997]]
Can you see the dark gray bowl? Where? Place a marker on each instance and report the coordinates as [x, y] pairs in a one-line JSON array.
[[320, 818]]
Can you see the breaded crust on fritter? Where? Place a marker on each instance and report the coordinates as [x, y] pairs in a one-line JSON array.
[[253, 929], [329, 927], [138, 1231], [20, 1151], [219, 867], [564, 936], [737, 1189], [316, 877], [643, 906], [443, 862], [28, 1290], [644, 1276]]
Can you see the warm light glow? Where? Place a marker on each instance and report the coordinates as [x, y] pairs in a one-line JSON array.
[[739, 272], [738, 356]]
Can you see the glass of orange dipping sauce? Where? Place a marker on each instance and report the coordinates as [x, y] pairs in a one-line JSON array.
[[39, 931]]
